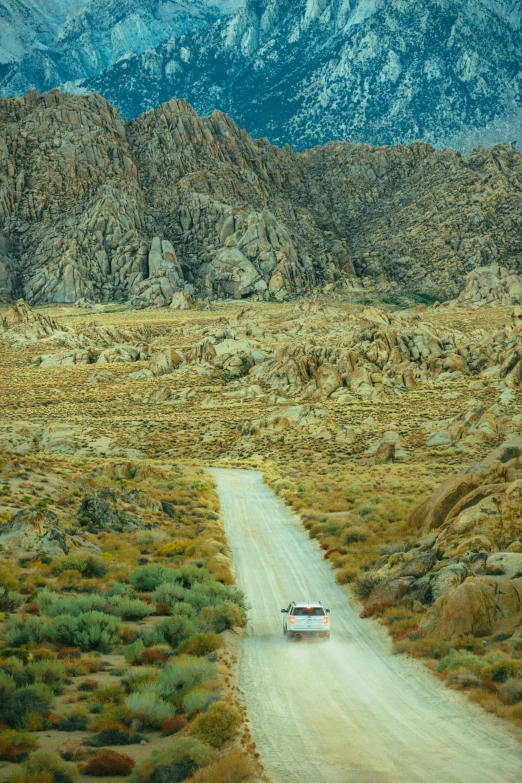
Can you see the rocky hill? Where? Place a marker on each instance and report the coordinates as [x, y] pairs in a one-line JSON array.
[[374, 71], [91, 207], [62, 42]]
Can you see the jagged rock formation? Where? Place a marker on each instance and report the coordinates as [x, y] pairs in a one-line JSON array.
[[488, 284], [47, 45], [93, 209], [466, 569], [374, 71]]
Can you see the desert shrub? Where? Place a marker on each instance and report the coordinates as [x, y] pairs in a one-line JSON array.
[[43, 766], [217, 725], [15, 745], [428, 647], [222, 617], [502, 670], [461, 660], [10, 601], [154, 658], [356, 533], [516, 712], [117, 734], [149, 577], [464, 678], [174, 763], [168, 594], [8, 579], [56, 604], [88, 685], [33, 631], [51, 673], [23, 702], [111, 715], [149, 708], [213, 594], [234, 767], [346, 575], [14, 666], [135, 680], [108, 694], [70, 653], [133, 653], [89, 566], [131, 608], [173, 725], [109, 763], [365, 582], [7, 685], [201, 644], [184, 675], [89, 631], [73, 722], [511, 690], [152, 637], [176, 629], [198, 700]]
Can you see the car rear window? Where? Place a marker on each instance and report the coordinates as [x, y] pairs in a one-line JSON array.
[[312, 611]]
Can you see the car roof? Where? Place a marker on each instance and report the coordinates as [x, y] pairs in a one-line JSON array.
[[307, 603]]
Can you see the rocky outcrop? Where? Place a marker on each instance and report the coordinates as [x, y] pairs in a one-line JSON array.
[[36, 533], [491, 285], [172, 204]]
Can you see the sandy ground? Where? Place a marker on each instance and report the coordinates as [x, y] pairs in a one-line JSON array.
[[343, 710]]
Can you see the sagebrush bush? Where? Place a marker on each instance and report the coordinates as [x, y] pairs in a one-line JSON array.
[[217, 725], [16, 707], [502, 670], [109, 763], [201, 644], [89, 566], [7, 685], [461, 660], [133, 653], [173, 725], [511, 690], [89, 631], [135, 680], [198, 700], [52, 673], [116, 734], [148, 578], [43, 766], [34, 630], [221, 617], [54, 604], [176, 629], [131, 608], [428, 647], [73, 722], [356, 533], [168, 594], [149, 708], [182, 676], [234, 767], [10, 600], [174, 763], [365, 582], [14, 745], [108, 694]]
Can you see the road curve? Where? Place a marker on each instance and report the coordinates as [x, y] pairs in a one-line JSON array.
[[344, 711]]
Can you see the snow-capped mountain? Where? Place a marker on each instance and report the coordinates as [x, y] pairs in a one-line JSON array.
[[310, 71], [57, 42]]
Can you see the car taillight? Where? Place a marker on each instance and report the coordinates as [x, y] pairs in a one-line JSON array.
[[291, 620], [325, 620]]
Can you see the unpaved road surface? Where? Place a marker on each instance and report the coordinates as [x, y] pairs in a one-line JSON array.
[[344, 711]]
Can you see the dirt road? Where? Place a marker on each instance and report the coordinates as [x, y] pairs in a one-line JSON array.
[[344, 711]]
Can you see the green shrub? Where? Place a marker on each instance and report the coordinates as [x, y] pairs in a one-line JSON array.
[[136, 680], [217, 725], [502, 670], [14, 666], [461, 660], [355, 534], [511, 690], [174, 763], [51, 673], [133, 653], [131, 608], [108, 694], [7, 685], [148, 578], [73, 722], [234, 767], [33, 631], [118, 734], [365, 582], [10, 601], [43, 766], [176, 629], [182, 676], [18, 705], [198, 700], [89, 631], [149, 708], [222, 617], [201, 644], [89, 566], [56, 605], [169, 593], [15, 745], [109, 763]]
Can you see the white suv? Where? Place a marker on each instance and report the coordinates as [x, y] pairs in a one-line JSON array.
[[306, 617]]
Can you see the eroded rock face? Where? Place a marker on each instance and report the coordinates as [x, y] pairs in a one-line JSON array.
[[491, 284], [96, 210], [36, 533]]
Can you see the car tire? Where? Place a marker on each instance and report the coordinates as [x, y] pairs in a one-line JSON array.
[[284, 630]]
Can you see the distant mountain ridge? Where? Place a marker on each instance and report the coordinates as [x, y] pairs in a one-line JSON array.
[[311, 71], [62, 42]]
